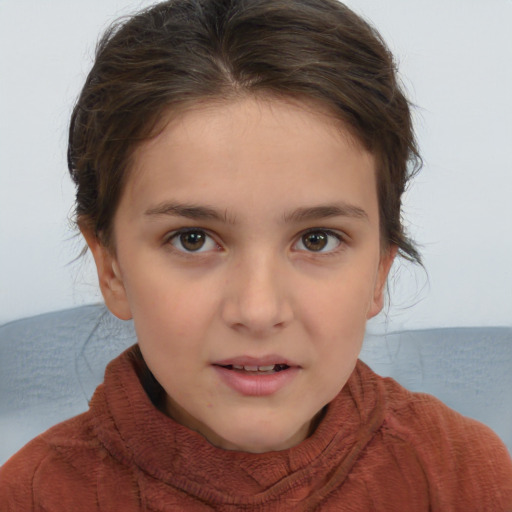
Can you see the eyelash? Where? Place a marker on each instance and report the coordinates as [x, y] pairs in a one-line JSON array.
[[330, 233], [176, 236]]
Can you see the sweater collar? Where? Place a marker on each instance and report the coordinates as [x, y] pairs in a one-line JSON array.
[[138, 434]]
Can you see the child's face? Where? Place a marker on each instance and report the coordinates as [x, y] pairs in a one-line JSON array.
[[248, 235]]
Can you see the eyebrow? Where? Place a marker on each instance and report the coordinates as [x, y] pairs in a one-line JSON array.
[[189, 211], [326, 211], [196, 212]]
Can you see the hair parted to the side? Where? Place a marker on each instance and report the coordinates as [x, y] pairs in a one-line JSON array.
[[179, 52]]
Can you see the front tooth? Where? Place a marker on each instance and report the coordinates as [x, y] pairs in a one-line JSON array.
[[266, 368], [238, 367], [251, 368]]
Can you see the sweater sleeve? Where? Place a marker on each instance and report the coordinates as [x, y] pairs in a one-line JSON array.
[[55, 472], [67, 469], [41, 477], [17, 477], [480, 475], [467, 466]]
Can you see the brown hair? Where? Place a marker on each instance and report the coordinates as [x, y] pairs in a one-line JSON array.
[[183, 51]]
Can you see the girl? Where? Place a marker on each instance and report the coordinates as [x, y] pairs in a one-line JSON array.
[[239, 168]]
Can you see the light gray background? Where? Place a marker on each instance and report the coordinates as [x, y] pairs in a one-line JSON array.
[[455, 58]]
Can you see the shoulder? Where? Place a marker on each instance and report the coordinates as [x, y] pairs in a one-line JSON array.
[[463, 460], [71, 467], [64, 457]]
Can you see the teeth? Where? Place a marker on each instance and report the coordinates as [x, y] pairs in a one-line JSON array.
[[266, 368], [250, 368]]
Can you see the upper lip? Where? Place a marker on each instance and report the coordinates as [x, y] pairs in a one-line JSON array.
[[266, 360]]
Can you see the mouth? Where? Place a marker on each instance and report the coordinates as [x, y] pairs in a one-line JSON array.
[[256, 370], [257, 376]]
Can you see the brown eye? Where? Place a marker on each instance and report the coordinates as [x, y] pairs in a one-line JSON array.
[[321, 241], [193, 241], [315, 241]]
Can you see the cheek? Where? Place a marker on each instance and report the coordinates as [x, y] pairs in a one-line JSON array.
[[339, 304], [166, 306], [336, 323]]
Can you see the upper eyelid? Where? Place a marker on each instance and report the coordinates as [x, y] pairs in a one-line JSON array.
[[172, 235], [333, 232], [340, 235], [189, 229]]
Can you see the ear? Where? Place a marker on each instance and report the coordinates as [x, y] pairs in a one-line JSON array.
[[109, 276], [386, 260]]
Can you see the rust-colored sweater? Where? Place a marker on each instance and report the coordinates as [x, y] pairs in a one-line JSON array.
[[379, 448]]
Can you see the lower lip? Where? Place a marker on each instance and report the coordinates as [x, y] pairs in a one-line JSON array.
[[261, 384]]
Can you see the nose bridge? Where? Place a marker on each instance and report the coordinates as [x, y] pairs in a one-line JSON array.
[[257, 301]]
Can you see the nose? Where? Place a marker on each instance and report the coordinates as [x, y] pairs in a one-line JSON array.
[[257, 300]]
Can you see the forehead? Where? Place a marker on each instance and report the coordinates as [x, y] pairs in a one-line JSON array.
[[252, 153]]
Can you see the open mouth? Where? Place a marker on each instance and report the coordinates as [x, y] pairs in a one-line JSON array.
[[250, 377], [256, 370]]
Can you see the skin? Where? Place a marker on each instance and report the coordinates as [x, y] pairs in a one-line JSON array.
[[260, 174]]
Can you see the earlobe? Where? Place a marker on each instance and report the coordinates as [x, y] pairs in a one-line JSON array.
[[386, 261], [109, 277]]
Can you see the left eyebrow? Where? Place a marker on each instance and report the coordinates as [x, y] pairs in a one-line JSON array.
[[189, 211], [326, 211]]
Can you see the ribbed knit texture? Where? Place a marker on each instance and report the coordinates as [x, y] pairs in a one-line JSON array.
[[379, 448]]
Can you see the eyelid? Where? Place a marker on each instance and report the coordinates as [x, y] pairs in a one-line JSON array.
[[340, 237], [175, 234]]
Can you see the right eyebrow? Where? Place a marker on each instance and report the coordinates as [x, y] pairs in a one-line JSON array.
[[326, 211], [189, 211]]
